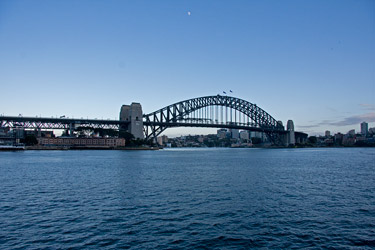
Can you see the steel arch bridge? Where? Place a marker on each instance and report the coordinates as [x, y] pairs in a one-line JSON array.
[[209, 111], [215, 112]]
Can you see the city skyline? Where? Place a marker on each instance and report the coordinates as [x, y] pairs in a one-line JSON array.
[[311, 62]]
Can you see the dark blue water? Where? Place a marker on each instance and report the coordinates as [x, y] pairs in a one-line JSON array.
[[188, 198]]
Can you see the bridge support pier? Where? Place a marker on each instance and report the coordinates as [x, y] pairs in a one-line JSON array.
[[71, 129], [133, 114], [291, 138]]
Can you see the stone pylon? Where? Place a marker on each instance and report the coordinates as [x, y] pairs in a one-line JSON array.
[[133, 113]]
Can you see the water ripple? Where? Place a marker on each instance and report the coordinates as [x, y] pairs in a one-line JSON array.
[[188, 199]]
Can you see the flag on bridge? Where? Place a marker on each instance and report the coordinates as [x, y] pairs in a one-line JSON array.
[[231, 91], [224, 92]]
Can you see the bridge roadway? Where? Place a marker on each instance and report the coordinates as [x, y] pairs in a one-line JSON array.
[[229, 125], [72, 123], [58, 123]]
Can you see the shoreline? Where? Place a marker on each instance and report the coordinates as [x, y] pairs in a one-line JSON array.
[[88, 148], [47, 148]]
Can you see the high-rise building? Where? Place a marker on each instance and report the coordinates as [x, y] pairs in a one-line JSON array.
[[244, 135], [256, 134], [162, 140], [222, 133], [328, 133], [235, 133], [338, 138], [351, 132], [364, 128]]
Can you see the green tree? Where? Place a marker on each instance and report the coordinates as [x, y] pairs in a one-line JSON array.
[[312, 139], [29, 140], [256, 140], [129, 138]]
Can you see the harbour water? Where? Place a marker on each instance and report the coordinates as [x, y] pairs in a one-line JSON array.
[[188, 199]]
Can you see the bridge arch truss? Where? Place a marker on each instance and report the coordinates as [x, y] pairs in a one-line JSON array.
[[212, 111]]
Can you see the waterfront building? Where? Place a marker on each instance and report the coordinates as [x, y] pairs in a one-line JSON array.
[[19, 132], [360, 138], [338, 138], [162, 139], [364, 128], [327, 133], [201, 139], [47, 134], [348, 140], [222, 133], [328, 142], [159, 140], [255, 134], [351, 132], [244, 135], [82, 142], [7, 137], [260, 135], [40, 133], [235, 133], [300, 137], [4, 131]]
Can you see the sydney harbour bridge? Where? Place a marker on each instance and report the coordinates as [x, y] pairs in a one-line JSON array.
[[216, 111]]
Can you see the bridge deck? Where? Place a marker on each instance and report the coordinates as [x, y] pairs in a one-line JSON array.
[[212, 125], [62, 123], [59, 120]]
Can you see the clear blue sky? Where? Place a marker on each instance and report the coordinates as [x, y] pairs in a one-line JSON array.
[[310, 61]]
